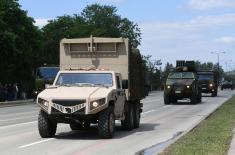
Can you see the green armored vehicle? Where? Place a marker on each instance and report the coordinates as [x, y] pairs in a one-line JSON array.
[[182, 84], [208, 81]]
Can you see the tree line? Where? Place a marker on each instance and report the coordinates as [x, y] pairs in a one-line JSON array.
[[24, 46]]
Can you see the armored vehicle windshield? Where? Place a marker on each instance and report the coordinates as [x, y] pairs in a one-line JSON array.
[[80, 79], [181, 75], [205, 76]]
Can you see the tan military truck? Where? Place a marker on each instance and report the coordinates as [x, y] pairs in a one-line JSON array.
[[100, 81]]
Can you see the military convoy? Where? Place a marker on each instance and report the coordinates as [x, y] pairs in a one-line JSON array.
[[208, 81], [100, 81], [182, 83]]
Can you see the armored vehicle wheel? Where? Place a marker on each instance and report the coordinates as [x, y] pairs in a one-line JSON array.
[[214, 94], [128, 122], [75, 126], [136, 115], [166, 99], [106, 123], [193, 99], [46, 127], [199, 98]]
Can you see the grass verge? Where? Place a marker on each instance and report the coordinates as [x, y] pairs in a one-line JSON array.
[[211, 137]]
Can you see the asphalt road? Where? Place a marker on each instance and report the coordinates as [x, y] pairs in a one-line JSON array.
[[160, 125]]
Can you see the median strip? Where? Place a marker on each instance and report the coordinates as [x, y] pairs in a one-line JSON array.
[[212, 136]]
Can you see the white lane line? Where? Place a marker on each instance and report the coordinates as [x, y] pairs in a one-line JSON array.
[[148, 112], [34, 143], [6, 120], [13, 125]]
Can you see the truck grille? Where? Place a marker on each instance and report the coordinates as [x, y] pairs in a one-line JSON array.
[[68, 103]]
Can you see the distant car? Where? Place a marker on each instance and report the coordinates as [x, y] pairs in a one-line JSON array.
[[227, 85]]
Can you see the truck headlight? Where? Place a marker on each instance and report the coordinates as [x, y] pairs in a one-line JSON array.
[[211, 85], [169, 87], [187, 86], [96, 103], [43, 102]]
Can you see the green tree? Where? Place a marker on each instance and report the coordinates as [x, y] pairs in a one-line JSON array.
[[20, 43], [97, 20]]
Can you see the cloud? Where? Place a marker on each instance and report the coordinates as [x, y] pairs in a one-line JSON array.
[[41, 22], [226, 40], [211, 4], [191, 40]]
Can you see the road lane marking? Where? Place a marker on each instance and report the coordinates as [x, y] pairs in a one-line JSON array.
[[148, 112], [6, 120], [34, 143], [13, 125]]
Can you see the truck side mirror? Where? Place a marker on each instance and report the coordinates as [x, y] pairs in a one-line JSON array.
[[124, 84]]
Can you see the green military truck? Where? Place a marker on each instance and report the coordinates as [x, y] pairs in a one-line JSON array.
[[208, 81], [182, 83]]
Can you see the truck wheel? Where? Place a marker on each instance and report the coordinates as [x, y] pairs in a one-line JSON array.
[[136, 115], [199, 98], [46, 127], [193, 99], [214, 94], [128, 122], [106, 123], [75, 126], [166, 99], [222, 88]]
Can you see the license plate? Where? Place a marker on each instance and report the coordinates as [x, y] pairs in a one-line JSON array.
[[177, 91], [203, 88]]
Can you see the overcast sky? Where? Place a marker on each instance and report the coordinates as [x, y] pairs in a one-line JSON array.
[[171, 29]]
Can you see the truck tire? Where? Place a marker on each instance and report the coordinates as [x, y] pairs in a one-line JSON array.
[[46, 127], [106, 123], [136, 115], [75, 126], [199, 97], [222, 88], [214, 94], [193, 99], [166, 99], [128, 122]]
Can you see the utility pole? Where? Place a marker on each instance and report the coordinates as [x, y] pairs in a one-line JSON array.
[[218, 56]]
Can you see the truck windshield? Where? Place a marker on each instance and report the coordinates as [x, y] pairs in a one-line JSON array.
[[181, 75], [205, 76], [81, 79]]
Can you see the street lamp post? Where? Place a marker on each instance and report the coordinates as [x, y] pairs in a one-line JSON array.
[[218, 56]]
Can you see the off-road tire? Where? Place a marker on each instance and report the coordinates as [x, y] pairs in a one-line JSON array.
[[199, 97], [75, 126], [46, 127], [214, 94], [136, 115], [166, 99], [106, 123], [193, 99], [128, 122]]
